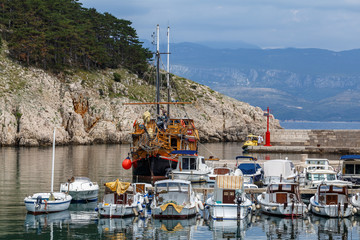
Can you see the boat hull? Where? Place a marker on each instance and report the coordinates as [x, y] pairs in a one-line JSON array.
[[108, 210], [151, 169], [35, 206], [280, 209], [333, 211], [193, 177], [171, 213], [229, 211], [82, 190]]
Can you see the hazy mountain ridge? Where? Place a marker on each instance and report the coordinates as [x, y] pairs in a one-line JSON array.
[[302, 84]]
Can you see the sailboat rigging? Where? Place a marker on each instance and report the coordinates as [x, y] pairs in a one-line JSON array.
[[157, 142]]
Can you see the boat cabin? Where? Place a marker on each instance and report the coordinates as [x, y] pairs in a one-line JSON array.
[[317, 163], [227, 187], [172, 191], [351, 169], [251, 140], [192, 163], [277, 170], [282, 193], [118, 193], [330, 194]]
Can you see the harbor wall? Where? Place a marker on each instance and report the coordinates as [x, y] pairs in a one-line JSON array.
[[316, 138]]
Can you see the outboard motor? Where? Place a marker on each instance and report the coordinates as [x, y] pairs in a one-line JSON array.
[[38, 202]]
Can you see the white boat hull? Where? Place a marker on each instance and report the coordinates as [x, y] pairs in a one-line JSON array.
[[331, 210], [220, 211], [109, 210], [355, 201], [192, 177], [170, 212], [34, 206], [280, 209], [81, 189]]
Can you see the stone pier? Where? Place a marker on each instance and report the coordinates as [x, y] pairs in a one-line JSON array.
[[312, 141]]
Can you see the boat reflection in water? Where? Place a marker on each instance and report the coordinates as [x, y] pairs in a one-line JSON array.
[[83, 214], [45, 221], [332, 228], [230, 229], [286, 228]]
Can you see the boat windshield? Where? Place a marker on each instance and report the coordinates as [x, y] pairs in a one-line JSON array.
[[331, 177], [189, 163]]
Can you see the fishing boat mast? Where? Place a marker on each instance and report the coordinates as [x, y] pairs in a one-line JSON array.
[[168, 70], [157, 70]]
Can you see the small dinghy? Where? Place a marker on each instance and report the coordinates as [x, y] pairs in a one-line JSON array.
[[331, 200], [81, 189], [40, 203]]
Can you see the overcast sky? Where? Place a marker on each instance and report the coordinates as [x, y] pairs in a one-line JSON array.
[[326, 24]]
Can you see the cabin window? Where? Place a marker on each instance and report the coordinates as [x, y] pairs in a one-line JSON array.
[[203, 160], [184, 187], [185, 163], [286, 187], [308, 176], [192, 163], [337, 189], [274, 187], [349, 169], [331, 177], [324, 188], [357, 169], [174, 143]]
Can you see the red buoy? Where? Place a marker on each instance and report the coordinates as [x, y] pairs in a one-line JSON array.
[[126, 164]]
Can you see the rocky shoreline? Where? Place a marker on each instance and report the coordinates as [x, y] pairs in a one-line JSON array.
[[87, 108]]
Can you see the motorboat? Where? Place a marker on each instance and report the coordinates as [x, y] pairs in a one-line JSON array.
[[174, 198], [191, 167], [355, 201], [219, 171], [251, 140], [314, 177], [50, 202], [120, 200], [252, 171], [350, 169], [229, 200], [277, 169], [282, 199], [331, 200], [81, 189]]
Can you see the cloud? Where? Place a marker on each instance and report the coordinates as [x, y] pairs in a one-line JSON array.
[[331, 24]]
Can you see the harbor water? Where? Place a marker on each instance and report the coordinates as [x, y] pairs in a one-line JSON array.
[[24, 171]]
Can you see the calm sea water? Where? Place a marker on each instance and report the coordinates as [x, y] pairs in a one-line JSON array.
[[319, 125], [24, 171]]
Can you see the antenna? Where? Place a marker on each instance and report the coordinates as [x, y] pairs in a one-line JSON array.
[[168, 70], [157, 69]]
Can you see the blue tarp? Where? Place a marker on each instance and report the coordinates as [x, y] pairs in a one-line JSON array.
[[350, 157], [188, 152], [249, 168]]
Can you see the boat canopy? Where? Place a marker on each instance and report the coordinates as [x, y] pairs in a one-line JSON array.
[[117, 186], [346, 157], [249, 168], [229, 182]]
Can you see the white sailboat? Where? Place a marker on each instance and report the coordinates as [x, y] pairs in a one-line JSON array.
[[40, 203]]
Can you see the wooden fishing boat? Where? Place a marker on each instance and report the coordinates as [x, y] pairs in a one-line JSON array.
[[282, 199], [331, 200], [229, 200], [174, 198], [155, 137], [120, 200]]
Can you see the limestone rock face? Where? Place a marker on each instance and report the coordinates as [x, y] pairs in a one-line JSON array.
[[87, 108]]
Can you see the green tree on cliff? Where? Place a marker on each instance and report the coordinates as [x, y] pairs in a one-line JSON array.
[[59, 34]]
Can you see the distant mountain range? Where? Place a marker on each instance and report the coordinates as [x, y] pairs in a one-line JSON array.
[[297, 84]]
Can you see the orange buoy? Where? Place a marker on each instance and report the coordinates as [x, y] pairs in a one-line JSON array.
[[126, 164]]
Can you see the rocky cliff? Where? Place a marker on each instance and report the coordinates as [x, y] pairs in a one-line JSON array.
[[87, 107]]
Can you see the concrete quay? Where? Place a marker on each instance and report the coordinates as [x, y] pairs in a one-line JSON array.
[[312, 141]]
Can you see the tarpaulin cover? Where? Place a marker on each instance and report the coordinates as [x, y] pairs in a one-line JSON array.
[[118, 187], [229, 182], [350, 157], [249, 168]]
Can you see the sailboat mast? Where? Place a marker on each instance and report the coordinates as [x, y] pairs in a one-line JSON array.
[[53, 163], [168, 70], [157, 70]]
